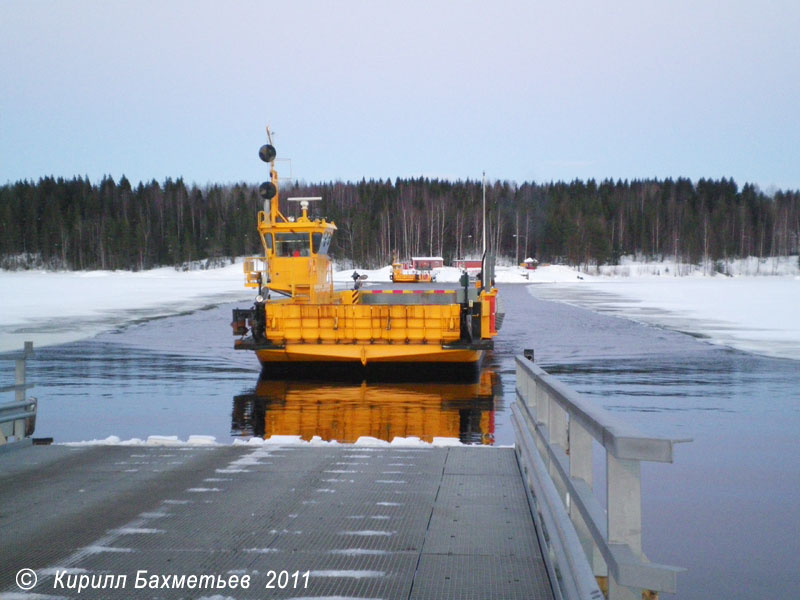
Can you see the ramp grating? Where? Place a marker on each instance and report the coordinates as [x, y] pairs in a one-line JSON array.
[[389, 523]]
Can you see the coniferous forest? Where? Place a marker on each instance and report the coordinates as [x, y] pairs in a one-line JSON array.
[[75, 224]]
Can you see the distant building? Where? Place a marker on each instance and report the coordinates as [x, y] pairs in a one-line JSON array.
[[467, 263], [530, 263], [426, 263]]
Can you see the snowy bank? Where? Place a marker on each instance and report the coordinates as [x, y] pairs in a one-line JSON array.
[[56, 307], [753, 314], [630, 266]]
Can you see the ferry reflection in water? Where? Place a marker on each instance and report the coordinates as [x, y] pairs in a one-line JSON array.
[[347, 411]]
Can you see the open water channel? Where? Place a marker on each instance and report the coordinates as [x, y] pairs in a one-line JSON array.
[[728, 509]]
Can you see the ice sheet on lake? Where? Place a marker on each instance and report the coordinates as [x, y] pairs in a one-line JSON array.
[[753, 314]]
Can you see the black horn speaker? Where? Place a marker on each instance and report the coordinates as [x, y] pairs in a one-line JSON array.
[[267, 153], [267, 190]]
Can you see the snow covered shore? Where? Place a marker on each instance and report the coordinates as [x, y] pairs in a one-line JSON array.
[[753, 309], [630, 266], [752, 313], [54, 307]]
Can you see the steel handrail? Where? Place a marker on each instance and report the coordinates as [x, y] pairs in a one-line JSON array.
[[555, 426], [24, 404]]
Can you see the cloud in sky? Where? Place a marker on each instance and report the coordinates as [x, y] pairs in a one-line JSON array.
[[385, 89]]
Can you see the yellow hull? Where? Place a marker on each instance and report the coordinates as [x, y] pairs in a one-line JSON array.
[[368, 353]]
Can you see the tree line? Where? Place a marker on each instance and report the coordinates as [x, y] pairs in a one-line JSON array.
[[75, 224]]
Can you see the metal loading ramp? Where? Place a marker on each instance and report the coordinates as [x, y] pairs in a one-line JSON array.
[[365, 522]]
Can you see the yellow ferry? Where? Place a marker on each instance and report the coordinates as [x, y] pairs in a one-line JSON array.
[[299, 320], [401, 275]]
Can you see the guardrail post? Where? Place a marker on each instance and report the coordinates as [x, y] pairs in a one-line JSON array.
[[530, 397], [523, 384], [17, 418], [19, 380], [542, 417], [557, 426], [18, 427], [541, 402], [624, 489], [580, 453], [581, 467]]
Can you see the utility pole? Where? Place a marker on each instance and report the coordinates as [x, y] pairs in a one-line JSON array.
[[483, 255], [484, 213]]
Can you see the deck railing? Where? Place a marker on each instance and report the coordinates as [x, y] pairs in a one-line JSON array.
[[591, 547], [18, 418]]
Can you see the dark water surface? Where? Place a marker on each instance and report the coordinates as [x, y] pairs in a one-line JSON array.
[[728, 509]]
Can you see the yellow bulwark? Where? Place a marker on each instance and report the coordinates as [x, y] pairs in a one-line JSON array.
[[299, 317], [353, 323]]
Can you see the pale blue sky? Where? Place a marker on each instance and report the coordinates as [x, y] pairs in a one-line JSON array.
[[525, 90]]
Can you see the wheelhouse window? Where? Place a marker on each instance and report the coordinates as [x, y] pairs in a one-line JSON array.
[[321, 246], [320, 242], [291, 244]]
